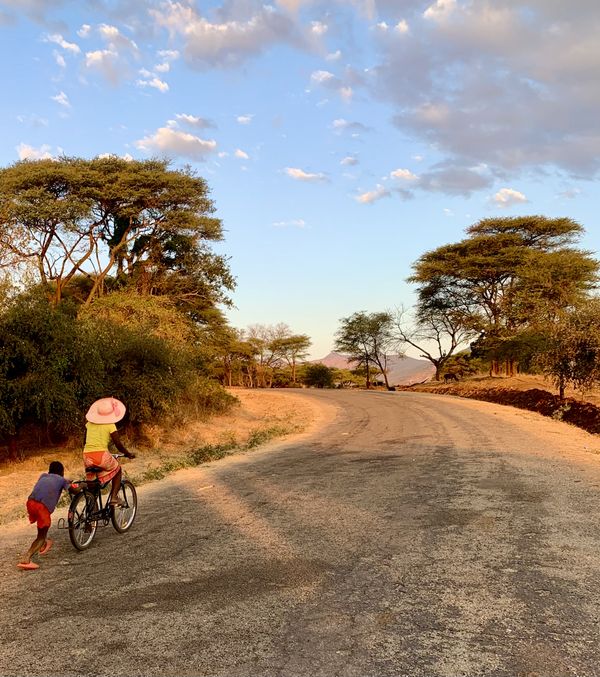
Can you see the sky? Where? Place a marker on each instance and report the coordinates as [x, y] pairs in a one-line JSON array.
[[340, 140]]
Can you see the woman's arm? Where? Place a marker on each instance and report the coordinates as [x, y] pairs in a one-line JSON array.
[[116, 440]]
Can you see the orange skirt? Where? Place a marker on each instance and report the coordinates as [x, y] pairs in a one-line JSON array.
[[103, 459]]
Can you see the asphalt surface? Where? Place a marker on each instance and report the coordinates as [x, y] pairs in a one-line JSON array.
[[413, 535]]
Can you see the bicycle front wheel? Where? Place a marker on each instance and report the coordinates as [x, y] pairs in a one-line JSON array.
[[82, 528], [123, 516]]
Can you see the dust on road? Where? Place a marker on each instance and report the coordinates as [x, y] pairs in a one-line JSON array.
[[413, 534]]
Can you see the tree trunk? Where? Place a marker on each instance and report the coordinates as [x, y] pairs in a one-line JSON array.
[[561, 388]]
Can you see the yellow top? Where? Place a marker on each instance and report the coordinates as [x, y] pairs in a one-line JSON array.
[[97, 436]]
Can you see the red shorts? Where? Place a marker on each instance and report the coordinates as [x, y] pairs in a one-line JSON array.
[[39, 513], [103, 459]]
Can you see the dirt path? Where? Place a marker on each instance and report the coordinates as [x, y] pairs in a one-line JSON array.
[[414, 534]]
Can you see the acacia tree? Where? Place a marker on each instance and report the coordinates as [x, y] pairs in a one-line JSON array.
[[571, 353], [368, 339], [293, 349], [508, 273], [136, 220]]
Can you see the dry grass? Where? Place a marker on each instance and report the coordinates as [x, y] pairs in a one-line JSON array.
[[263, 415]]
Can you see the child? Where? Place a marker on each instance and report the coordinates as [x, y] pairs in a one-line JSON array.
[[40, 504], [100, 431]]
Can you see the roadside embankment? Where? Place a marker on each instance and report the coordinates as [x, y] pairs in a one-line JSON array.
[[262, 416], [518, 392]]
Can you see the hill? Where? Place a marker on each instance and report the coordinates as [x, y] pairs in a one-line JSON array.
[[401, 371]]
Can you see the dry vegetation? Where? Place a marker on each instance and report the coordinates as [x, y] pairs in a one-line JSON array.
[[263, 415]]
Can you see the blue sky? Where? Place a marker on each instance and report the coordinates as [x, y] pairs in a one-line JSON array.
[[340, 140]]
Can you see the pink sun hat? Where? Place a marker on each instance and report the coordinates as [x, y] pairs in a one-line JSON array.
[[106, 410]]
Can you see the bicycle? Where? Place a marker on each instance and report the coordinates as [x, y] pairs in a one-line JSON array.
[[90, 509]]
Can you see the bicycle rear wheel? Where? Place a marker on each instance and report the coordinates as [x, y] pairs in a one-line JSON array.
[[122, 517], [82, 528]]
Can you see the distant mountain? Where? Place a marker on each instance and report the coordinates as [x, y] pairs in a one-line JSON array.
[[401, 370]]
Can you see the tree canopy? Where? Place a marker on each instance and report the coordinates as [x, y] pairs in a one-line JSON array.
[[112, 220]]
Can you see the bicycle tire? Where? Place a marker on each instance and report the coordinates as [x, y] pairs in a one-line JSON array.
[[123, 517], [78, 520]]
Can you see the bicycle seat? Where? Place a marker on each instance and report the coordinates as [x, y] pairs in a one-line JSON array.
[[94, 469]]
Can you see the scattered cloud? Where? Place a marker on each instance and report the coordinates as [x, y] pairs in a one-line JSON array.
[[373, 195], [301, 175], [403, 175], [58, 39], [349, 161], [245, 119], [229, 41], [242, 155], [60, 59], [570, 193], [342, 125], [106, 62], [84, 31], [508, 197], [195, 121], [27, 152], [164, 67], [293, 223], [155, 83], [334, 56], [33, 120], [329, 81], [402, 27], [318, 28], [62, 99], [173, 142]]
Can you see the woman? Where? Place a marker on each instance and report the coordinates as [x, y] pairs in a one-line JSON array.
[[100, 431]]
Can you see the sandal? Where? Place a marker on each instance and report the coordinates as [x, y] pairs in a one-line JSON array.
[[47, 546], [28, 566]]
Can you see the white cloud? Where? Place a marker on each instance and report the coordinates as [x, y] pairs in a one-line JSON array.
[[294, 223], [106, 62], [27, 152], [301, 175], [322, 77], [404, 175], [334, 56], [373, 195], [382, 26], [318, 28], [228, 42], [115, 39], [62, 99], [155, 83], [241, 154], [440, 10], [164, 67], [58, 39], [402, 27], [349, 161], [84, 31], [343, 125], [168, 54], [507, 197], [127, 157], [194, 120], [169, 141], [60, 59], [245, 119]]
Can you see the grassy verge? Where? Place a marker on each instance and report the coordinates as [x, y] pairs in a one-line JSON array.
[[214, 452]]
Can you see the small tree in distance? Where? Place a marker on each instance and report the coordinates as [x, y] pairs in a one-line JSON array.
[[318, 376], [368, 339]]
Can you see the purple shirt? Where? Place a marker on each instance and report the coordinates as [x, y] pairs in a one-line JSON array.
[[48, 489]]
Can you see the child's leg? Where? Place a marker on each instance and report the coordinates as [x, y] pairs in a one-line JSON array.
[[116, 485], [36, 545]]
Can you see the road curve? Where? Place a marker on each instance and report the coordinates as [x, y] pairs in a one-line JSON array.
[[414, 534]]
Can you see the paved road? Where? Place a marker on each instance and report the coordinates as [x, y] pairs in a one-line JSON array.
[[415, 534]]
